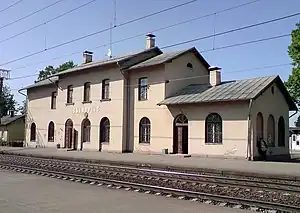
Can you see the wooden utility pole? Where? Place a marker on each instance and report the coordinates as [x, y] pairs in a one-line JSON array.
[[4, 74]]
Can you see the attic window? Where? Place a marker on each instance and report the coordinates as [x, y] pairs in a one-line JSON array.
[[189, 65], [272, 90]]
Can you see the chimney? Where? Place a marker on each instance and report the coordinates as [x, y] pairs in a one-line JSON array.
[[12, 113], [214, 75], [87, 57], [150, 41]]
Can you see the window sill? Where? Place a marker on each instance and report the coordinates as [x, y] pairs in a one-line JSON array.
[[86, 102], [51, 141], [213, 143], [69, 104], [143, 99], [144, 144], [33, 141], [106, 99], [53, 108]]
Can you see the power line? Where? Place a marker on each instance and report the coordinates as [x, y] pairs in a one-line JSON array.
[[30, 14], [164, 47], [46, 22], [101, 31], [233, 30], [10, 6], [214, 49], [205, 76], [142, 34]]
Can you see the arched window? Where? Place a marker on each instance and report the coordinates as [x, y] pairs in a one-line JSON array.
[[33, 132], [281, 132], [144, 130], [104, 130], [86, 130], [189, 65], [51, 132], [213, 128], [271, 131], [259, 126]]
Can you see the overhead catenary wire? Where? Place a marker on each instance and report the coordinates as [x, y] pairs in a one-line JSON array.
[[101, 31], [208, 50], [10, 6], [30, 14], [47, 21], [141, 34], [164, 47]]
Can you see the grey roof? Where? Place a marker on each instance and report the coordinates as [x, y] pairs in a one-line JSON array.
[[117, 59], [227, 91], [168, 56], [45, 82], [8, 119]]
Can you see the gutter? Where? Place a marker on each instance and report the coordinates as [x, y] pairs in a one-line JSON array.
[[19, 91], [249, 147]]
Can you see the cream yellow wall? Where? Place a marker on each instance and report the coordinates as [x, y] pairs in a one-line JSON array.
[[158, 115], [234, 128], [39, 112], [181, 76], [42, 114], [275, 104], [162, 117]]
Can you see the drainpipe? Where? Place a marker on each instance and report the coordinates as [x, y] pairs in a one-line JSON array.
[[127, 111], [249, 147], [19, 91]]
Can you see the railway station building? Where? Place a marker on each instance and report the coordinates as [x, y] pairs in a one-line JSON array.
[[153, 102]]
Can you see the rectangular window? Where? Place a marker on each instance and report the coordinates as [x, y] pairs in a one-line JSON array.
[[86, 92], [53, 100], [70, 94], [105, 89], [294, 137], [143, 89]]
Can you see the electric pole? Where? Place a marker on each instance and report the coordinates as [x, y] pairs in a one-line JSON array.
[[4, 74]]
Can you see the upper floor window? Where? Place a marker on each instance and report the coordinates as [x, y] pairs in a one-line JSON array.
[[143, 89], [53, 100], [105, 89], [189, 65], [70, 94], [86, 91]]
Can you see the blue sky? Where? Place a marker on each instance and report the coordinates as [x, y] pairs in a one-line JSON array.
[[99, 14]]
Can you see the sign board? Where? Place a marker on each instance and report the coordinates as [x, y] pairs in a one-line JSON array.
[[82, 110]]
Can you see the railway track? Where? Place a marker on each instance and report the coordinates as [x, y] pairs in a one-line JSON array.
[[225, 191]]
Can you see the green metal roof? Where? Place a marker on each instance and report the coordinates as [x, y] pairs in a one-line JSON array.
[[227, 91]]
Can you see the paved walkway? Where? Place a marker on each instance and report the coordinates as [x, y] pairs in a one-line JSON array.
[[244, 166]]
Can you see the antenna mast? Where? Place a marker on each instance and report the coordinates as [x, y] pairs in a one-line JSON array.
[[112, 25]]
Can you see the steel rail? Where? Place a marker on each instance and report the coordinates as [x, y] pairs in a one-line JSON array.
[[159, 189], [242, 182]]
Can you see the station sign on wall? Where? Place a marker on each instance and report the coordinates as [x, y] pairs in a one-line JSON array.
[[82, 110]]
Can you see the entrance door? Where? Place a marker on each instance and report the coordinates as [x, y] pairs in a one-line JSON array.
[[68, 134], [180, 138]]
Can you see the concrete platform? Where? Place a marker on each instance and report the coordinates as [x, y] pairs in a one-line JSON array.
[[290, 170]]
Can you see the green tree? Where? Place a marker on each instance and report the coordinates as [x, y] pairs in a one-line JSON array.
[[22, 107], [297, 122], [8, 101], [50, 70], [293, 82]]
